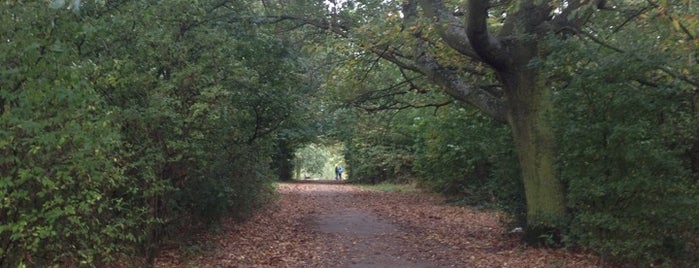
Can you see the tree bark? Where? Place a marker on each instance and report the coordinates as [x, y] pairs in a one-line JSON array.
[[529, 107], [527, 104], [529, 111]]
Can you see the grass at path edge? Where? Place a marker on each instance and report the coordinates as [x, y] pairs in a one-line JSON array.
[[390, 187]]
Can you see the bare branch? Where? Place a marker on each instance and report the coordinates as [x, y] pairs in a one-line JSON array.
[[403, 105], [411, 80], [387, 101]]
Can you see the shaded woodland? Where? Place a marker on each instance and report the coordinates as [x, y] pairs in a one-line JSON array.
[[125, 122]]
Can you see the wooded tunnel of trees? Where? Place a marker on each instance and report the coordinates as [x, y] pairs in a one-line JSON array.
[[122, 121]]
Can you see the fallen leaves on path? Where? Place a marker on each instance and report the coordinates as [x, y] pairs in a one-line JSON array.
[[337, 225]]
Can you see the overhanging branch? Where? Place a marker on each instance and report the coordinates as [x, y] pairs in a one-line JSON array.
[[449, 79], [455, 86]]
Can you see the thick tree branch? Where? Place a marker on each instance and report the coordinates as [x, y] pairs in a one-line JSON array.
[[385, 52], [454, 34], [449, 27], [490, 49], [449, 79], [455, 86]]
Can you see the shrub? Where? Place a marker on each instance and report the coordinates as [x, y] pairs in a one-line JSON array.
[[470, 158], [118, 125], [623, 158]]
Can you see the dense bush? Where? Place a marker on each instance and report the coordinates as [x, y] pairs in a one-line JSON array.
[[65, 196], [378, 147], [624, 148], [469, 158], [451, 150], [124, 120]]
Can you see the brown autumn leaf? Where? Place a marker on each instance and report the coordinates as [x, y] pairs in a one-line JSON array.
[[339, 225]]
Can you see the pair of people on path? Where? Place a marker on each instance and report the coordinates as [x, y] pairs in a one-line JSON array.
[[338, 172]]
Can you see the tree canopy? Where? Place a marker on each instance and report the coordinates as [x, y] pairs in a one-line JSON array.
[[530, 64]]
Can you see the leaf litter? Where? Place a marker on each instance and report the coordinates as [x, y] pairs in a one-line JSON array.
[[340, 225]]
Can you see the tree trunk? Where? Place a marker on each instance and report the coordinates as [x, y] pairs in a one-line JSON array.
[[282, 160], [529, 103], [530, 107], [693, 152]]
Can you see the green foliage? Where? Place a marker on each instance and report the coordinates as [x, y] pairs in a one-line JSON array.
[[452, 150], [64, 194], [378, 146], [625, 112], [123, 121], [377, 129], [470, 158], [318, 160], [59, 181], [628, 185], [392, 187], [282, 159], [311, 159], [403, 129], [624, 146]]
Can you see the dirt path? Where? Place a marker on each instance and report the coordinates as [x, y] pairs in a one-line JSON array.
[[337, 225], [361, 237]]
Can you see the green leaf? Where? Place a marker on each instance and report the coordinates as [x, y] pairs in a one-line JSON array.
[[57, 47]]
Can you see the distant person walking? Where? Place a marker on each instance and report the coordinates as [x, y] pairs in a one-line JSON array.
[[338, 173]]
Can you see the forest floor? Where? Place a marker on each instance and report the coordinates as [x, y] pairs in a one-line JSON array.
[[325, 224]]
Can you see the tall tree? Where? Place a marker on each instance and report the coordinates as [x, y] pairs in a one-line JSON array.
[[484, 53]]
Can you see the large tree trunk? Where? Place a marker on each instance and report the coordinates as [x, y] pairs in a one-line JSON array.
[[529, 103], [530, 108]]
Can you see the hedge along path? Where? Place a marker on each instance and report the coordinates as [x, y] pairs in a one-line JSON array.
[[338, 225]]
